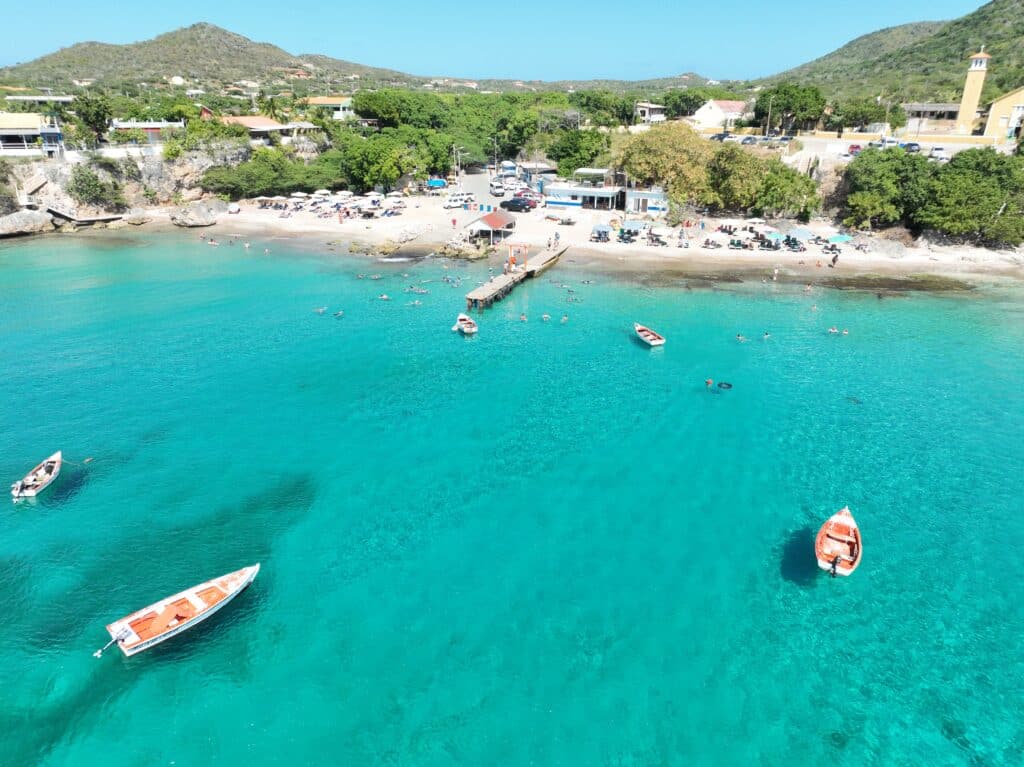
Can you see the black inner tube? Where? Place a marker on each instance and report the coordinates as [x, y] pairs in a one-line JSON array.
[[724, 385]]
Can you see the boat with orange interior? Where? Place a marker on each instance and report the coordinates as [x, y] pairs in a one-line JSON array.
[[40, 478], [161, 620], [648, 336], [465, 325], [838, 545]]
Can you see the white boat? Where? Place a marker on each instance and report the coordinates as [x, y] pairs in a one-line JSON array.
[[648, 336], [40, 478], [160, 621], [465, 325]]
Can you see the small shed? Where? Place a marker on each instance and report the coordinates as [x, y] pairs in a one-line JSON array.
[[496, 224]]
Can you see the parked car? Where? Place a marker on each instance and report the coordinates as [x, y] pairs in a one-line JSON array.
[[748, 140], [912, 147], [785, 139], [732, 139], [854, 150], [719, 137], [889, 141], [518, 205], [939, 154]]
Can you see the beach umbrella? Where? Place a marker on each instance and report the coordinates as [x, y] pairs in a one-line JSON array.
[[840, 238], [322, 193], [755, 221], [299, 194], [801, 234], [280, 197]]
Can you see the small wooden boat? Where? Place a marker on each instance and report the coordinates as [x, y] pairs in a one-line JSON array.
[[40, 478], [648, 336], [161, 620], [465, 325], [838, 546]]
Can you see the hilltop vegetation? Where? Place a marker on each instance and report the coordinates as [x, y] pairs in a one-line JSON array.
[[925, 61]]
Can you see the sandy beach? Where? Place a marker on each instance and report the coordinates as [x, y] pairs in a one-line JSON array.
[[424, 226]]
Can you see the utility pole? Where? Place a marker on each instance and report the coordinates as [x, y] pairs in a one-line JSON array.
[[768, 128]]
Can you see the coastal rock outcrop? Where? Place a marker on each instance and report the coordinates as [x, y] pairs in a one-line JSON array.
[[202, 213], [137, 217], [25, 222]]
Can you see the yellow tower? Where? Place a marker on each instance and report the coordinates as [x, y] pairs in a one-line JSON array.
[[972, 92]]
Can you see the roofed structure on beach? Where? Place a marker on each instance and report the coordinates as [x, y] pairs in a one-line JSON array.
[[496, 224]]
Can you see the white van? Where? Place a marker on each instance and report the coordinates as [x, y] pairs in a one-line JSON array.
[[458, 199]]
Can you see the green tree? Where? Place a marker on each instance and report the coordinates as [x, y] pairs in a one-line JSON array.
[[885, 187], [94, 110], [574, 149], [734, 178], [671, 155], [791, 105], [86, 187], [978, 195]]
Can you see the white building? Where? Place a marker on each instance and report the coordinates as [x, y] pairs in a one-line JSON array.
[[717, 113], [340, 107], [646, 113]]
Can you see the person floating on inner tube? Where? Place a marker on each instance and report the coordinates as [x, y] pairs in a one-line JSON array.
[[835, 564]]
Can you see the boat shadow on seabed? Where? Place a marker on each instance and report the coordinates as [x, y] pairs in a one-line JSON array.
[[797, 563]]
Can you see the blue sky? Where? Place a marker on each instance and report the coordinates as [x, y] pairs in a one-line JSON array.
[[525, 39]]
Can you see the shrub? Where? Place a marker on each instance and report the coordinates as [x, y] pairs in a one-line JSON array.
[[88, 188]]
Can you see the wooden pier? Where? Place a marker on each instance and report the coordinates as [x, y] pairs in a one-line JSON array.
[[501, 285]]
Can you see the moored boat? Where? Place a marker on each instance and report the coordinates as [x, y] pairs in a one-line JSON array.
[[161, 620], [838, 545], [40, 478], [465, 325], [648, 336]]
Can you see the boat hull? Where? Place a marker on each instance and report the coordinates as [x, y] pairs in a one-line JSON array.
[[22, 490], [247, 576], [648, 336], [465, 325], [838, 547]]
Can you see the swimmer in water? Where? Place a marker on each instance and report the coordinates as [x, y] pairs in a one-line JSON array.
[[814, 308], [833, 329], [807, 288], [384, 297], [266, 251], [522, 318], [339, 314], [740, 338], [565, 318], [708, 383], [320, 310], [545, 317], [766, 335], [846, 332], [246, 246]]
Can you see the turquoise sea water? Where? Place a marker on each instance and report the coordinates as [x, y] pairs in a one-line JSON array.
[[546, 545]]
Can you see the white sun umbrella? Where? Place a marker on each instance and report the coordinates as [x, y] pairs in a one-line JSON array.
[[343, 193], [322, 193], [755, 221], [299, 194], [279, 197], [374, 194], [394, 194]]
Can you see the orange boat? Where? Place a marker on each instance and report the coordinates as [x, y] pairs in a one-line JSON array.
[[838, 545], [160, 621]]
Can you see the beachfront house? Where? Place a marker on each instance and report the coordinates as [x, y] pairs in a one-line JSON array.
[[39, 99], [647, 113], [588, 189], [340, 107], [719, 113], [28, 134], [652, 201], [151, 128], [494, 225], [260, 128]]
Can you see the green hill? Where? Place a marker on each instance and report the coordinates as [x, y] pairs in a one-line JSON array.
[[201, 53], [207, 54], [925, 61]]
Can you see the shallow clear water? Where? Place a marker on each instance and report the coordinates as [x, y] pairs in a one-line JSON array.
[[543, 545]]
